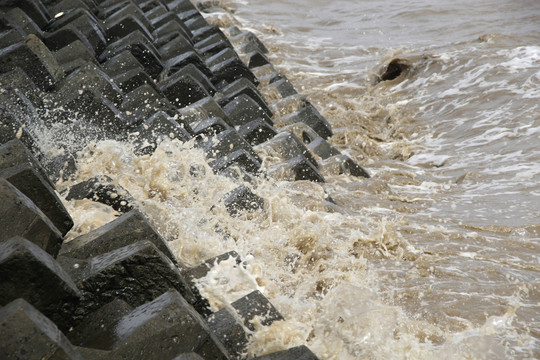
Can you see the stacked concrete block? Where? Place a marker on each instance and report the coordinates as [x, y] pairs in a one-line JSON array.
[[144, 71]]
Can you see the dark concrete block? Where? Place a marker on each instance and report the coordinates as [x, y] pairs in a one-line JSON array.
[[311, 117], [287, 145], [257, 131], [284, 87], [227, 142], [188, 356], [120, 63], [215, 38], [157, 128], [210, 127], [74, 51], [83, 21], [164, 328], [232, 69], [249, 41], [26, 271], [256, 304], [303, 169], [256, 59], [34, 9], [102, 189], [243, 109], [201, 270], [36, 61], [132, 79], [159, 21], [240, 158], [141, 48], [228, 323], [211, 49], [322, 148], [14, 153], [297, 353], [18, 18], [196, 73], [127, 229], [137, 273], [119, 27], [89, 77], [12, 128], [98, 329], [190, 57], [221, 56], [115, 14], [27, 180], [156, 11], [19, 216], [180, 5], [209, 108], [244, 87], [176, 45], [194, 21], [242, 199], [183, 89], [342, 164], [25, 333]]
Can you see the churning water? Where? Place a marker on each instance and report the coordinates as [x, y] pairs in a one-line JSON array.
[[437, 255]]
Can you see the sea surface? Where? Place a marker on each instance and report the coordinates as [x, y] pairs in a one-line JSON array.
[[437, 255]]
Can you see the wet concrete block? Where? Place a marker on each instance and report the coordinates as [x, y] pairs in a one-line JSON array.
[[256, 59], [188, 356], [19, 216], [215, 38], [303, 169], [36, 61], [85, 22], [25, 333], [19, 19], [229, 331], [311, 117], [210, 127], [34, 9], [156, 11], [342, 164], [221, 56], [157, 128], [211, 49], [120, 63], [119, 27], [196, 73], [240, 158], [175, 45], [141, 48], [226, 142], [183, 89], [74, 51], [244, 87], [232, 69], [15, 153], [115, 15], [26, 271], [322, 148], [102, 189], [242, 199], [98, 329], [159, 21], [298, 353], [137, 273], [287, 145], [243, 109], [132, 79], [29, 181], [127, 229], [12, 128], [284, 87], [256, 304], [164, 328], [180, 5], [194, 21], [209, 108], [249, 42], [89, 77], [141, 97], [56, 7], [191, 57], [257, 131]]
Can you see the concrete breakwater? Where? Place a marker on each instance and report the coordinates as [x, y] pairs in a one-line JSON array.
[[144, 72]]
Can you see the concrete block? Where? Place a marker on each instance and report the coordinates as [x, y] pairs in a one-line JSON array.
[[242, 199], [183, 89], [232, 69], [127, 229], [19, 216], [256, 59], [298, 353], [25, 333], [243, 109], [240, 158], [226, 142], [249, 41], [210, 127], [29, 181], [102, 189], [26, 271], [322, 148], [311, 117], [342, 164], [163, 328], [257, 131]]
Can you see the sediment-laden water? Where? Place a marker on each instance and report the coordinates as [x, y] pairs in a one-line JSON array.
[[436, 256]]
